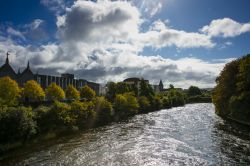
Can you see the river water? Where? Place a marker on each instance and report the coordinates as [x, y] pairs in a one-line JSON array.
[[189, 135]]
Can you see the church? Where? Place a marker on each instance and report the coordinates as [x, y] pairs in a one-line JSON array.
[[45, 80]]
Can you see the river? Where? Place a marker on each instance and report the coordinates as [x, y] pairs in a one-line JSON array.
[[189, 135]]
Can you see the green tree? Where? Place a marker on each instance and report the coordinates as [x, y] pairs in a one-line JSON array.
[[9, 91], [33, 91], [146, 89], [225, 88], [125, 105], [54, 92], [144, 104], [87, 93], [194, 91], [111, 92], [104, 110], [72, 93]]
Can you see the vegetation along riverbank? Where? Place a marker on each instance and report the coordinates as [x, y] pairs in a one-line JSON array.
[[33, 114], [231, 95]]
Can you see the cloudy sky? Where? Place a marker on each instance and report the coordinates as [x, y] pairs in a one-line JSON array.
[[182, 42]]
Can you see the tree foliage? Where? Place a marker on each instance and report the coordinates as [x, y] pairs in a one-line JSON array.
[[193, 91], [9, 91], [104, 110], [33, 91], [126, 105], [87, 93], [16, 123], [72, 93], [54, 92], [231, 95]]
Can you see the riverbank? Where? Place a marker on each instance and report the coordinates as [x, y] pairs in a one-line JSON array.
[[24, 125]]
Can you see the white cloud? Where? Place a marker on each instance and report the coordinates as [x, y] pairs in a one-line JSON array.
[[56, 6], [149, 8], [104, 21], [225, 27], [160, 35], [16, 33], [102, 41]]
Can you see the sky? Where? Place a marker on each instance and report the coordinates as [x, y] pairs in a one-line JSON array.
[[181, 42]]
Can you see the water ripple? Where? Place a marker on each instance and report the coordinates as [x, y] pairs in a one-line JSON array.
[[190, 135]]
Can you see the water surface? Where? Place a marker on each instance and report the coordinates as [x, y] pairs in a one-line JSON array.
[[190, 135]]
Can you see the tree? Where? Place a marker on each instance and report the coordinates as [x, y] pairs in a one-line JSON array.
[[9, 91], [194, 91], [54, 92], [144, 104], [72, 93], [146, 89], [125, 105], [225, 88], [87, 93], [171, 86], [104, 110], [33, 91]]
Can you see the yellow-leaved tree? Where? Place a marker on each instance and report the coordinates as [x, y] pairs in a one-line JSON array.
[[87, 93], [54, 92], [9, 91], [33, 91], [72, 93]]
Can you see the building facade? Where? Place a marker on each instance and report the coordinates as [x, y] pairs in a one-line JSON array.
[[45, 80]]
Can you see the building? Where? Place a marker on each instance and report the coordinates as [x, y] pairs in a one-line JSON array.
[[135, 81], [45, 80]]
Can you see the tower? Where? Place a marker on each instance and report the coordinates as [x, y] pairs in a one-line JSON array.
[[161, 87]]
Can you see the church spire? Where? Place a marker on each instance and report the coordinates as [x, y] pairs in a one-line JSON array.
[[7, 58], [28, 65]]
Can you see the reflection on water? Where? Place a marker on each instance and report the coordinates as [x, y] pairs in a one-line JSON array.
[[190, 135]]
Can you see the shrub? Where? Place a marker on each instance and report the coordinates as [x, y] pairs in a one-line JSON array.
[[125, 105], [104, 110], [144, 104], [166, 102], [16, 123], [84, 113]]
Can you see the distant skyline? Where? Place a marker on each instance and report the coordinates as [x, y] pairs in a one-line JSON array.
[[181, 42]]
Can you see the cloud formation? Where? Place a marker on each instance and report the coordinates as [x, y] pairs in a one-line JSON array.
[[103, 41], [225, 27]]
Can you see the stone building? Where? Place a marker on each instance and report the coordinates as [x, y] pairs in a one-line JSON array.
[[45, 80]]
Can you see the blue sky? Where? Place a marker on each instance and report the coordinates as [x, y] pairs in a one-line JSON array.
[[163, 39]]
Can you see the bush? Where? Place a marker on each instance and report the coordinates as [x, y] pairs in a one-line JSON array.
[[156, 103], [144, 104], [125, 105], [46, 118], [166, 102], [16, 123], [176, 97], [104, 110], [84, 114]]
